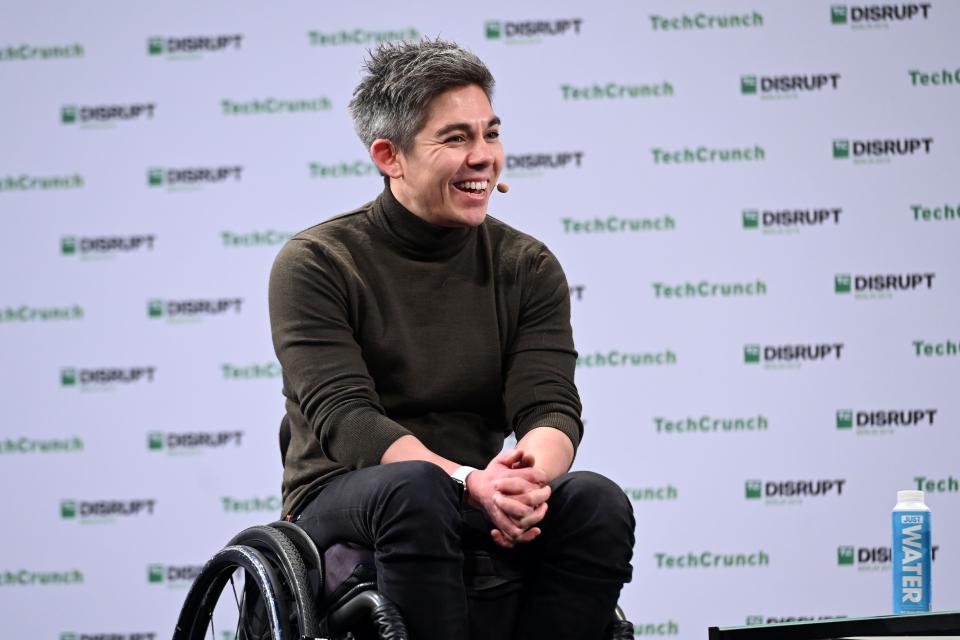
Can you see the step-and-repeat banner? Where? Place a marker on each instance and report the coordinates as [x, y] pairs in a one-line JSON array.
[[756, 204]]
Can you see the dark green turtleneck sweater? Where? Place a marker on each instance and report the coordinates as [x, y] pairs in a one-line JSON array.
[[386, 325]]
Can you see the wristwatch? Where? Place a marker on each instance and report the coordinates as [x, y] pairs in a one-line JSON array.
[[460, 478]]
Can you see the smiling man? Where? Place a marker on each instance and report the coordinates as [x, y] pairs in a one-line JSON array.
[[415, 333]]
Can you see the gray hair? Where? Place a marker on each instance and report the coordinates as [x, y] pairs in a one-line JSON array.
[[402, 78]]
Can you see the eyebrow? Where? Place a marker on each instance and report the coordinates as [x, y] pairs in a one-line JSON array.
[[463, 126]]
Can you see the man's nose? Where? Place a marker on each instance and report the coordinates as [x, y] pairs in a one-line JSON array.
[[480, 154]]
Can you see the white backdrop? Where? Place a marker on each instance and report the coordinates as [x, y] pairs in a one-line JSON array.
[[154, 158]]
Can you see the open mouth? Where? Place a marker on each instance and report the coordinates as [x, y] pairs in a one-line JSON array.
[[472, 186]]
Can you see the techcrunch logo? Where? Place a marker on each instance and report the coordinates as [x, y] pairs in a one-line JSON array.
[[105, 115], [704, 289], [576, 291], [102, 511], [785, 221], [105, 246], [25, 52], [180, 310], [668, 628], [251, 372], [355, 169], [616, 224], [755, 619], [70, 635], [883, 422], [192, 441], [104, 378], [702, 155], [936, 78], [620, 359], [361, 36], [40, 183], [712, 560], [787, 86], [944, 485], [28, 578], [23, 313], [703, 21], [248, 505], [708, 424], [192, 178], [173, 575], [877, 16], [946, 212], [936, 349], [651, 494], [533, 164], [530, 31], [880, 285], [791, 492], [269, 238], [877, 151], [272, 106], [27, 445], [790, 356], [192, 46], [614, 91], [870, 558]]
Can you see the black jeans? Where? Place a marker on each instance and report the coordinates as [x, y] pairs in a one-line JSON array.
[[410, 514]]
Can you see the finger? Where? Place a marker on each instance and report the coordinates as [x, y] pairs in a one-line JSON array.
[[528, 535], [514, 485], [505, 524], [537, 476], [509, 457], [514, 509], [526, 522], [500, 539]]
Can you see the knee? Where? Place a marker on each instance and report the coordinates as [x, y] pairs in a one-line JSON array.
[[419, 487], [595, 499]]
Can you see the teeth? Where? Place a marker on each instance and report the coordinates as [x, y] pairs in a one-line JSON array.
[[473, 185]]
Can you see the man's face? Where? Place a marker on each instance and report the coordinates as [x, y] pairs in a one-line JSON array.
[[455, 159]]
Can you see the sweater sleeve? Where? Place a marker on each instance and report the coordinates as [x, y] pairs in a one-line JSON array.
[[322, 362], [539, 390]]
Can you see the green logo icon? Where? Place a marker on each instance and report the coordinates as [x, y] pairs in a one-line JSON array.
[[845, 555], [748, 85], [838, 14], [841, 149], [68, 377], [155, 573], [68, 509], [844, 419], [751, 219], [155, 308], [68, 636], [841, 283], [751, 354], [68, 115], [493, 29], [68, 245], [155, 177], [754, 620], [154, 440], [155, 46], [754, 489]]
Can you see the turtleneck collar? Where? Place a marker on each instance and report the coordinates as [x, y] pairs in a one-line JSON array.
[[412, 234]]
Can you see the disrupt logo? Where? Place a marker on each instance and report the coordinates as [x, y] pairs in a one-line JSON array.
[[105, 510], [880, 285], [711, 560], [355, 169], [105, 377], [576, 291], [192, 46], [192, 309], [623, 359], [192, 178], [940, 78], [269, 238], [883, 422], [40, 183], [702, 21], [531, 30], [787, 86], [615, 91], [706, 155], [943, 485], [361, 36], [936, 349], [27, 578], [784, 221], [24, 313], [33, 445], [754, 620], [26, 52], [790, 355], [647, 494], [272, 106], [877, 15], [106, 115], [251, 372], [616, 224], [173, 575], [704, 289], [946, 212], [874, 151], [70, 635], [708, 424], [791, 491], [104, 246], [870, 558], [668, 628], [534, 163], [192, 441], [246, 505]]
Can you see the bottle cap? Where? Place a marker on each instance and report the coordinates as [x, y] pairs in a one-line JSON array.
[[909, 496]]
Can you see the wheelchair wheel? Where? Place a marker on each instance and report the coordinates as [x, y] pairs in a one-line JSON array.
[[238, 595]]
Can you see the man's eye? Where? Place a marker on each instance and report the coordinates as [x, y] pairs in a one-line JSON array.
[[493, 135], [455, 139]]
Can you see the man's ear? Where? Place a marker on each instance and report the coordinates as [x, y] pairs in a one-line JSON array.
[[386, 156]]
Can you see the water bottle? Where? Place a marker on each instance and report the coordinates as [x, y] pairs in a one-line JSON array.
[[911, 553]]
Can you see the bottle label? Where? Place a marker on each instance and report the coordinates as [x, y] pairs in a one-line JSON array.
[[911, 561]]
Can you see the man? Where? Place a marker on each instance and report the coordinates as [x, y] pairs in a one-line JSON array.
[[414, 333]]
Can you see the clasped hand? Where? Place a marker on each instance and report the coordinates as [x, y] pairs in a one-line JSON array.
[[514, 495]]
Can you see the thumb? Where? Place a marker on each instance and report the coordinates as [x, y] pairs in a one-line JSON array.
[[508, 458]]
